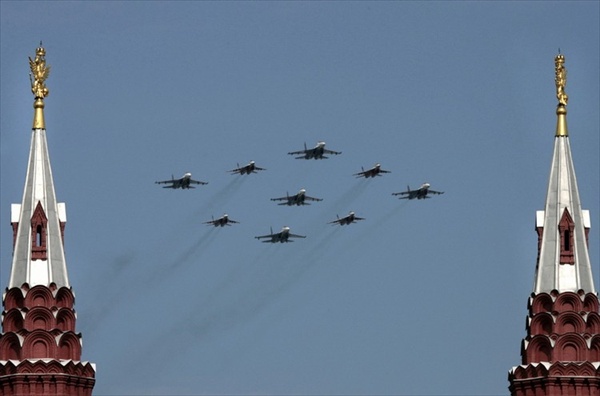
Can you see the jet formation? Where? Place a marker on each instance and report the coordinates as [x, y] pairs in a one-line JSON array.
[[299, 199]]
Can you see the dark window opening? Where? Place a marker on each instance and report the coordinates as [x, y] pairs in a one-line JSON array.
[[38, 234], [567, 240]]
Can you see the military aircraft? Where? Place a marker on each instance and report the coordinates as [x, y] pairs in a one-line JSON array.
[[184, 182], [221, 221], [351, 218], [281, 236], [298, 199], [246, 169], [374, 171], [317, 152], [420, 193]]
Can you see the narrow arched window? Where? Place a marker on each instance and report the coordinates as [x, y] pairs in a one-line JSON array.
[[567, 240], [565, 229], [38, 236]]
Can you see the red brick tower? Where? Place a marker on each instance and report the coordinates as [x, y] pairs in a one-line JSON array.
[[561, 352], [40, 352]]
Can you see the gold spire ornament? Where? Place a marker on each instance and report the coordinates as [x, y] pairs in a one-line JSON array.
[[561, 81], [37, 77]]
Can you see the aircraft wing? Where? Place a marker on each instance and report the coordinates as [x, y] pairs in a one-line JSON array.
[[307, 198], [281, 199], [296, 236], [299, 152], [271, 238], [172, 183], [238, 170], [197, 182], [411, 194], [435, 192], [326, 151]]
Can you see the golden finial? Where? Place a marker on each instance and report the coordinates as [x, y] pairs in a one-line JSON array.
[[561, 81], [37, 77]]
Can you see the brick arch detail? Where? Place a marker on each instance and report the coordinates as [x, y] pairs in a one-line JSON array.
[[13, 320], [39, 295], [10, 346], [593, 323], [568, 301], [570, 348], [594, 351], [65, 319], [539, 349], [590, 303], [542, 302], [14, 298], [69, 346], [542, 323], [40, 318], [65, 297], [39, 344], [568, 322]]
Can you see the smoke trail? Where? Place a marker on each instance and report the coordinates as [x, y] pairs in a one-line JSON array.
[[374, 227], [248, 288], [107, 302], [222, 196], [346, 198]]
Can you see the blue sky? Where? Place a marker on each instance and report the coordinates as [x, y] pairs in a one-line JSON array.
[[421, 298]]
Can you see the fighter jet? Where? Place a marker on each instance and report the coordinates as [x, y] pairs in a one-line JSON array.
[[298, 199], [221, 221], [420, 193], [351, 218], [374, 171], [246, 169], [184, 182], [317, 152], [282, 236]]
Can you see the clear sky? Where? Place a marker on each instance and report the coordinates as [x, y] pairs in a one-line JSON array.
[[422, 298]]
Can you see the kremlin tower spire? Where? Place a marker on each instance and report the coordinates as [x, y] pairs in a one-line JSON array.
[[561, 353], [40, 353]]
